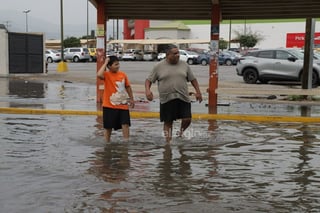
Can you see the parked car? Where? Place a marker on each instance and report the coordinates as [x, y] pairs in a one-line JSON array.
[[115, 53], [274, 65], [203, 59], [132, 55], [316, 55], [188, 56], [93, 54], [233, 53], [119, 54], [228, 58], [225, 58], [234, 49], [52, 56], [76, 54], [149, 55], [161, 56]]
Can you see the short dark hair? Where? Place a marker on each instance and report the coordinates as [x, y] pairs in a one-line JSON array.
[[112, 59], [170, 47]]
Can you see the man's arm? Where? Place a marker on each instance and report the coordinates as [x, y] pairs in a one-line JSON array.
[[148, 92], [198, 95]]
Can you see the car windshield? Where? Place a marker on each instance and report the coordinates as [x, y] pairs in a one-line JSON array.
[[316, 55], [191, 52], [226, 54], [296, 53], [233, 53]]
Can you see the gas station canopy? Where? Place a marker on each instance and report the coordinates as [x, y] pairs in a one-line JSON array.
[[201, 9]]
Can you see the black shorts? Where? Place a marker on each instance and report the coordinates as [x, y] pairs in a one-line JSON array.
[[175, 109], [114, 118]]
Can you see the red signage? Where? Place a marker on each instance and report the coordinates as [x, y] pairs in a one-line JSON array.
[[297, 39]]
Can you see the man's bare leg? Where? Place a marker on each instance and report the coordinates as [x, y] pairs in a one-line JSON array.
[[185, 123], [167, 130]]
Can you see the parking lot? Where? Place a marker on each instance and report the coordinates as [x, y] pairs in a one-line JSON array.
[[229, 84], [138, 70]]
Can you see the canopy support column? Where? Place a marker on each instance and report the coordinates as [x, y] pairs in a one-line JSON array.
[[214, 62], [101, 45], [308, 54]]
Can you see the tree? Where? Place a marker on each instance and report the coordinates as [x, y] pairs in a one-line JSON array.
[[249, 39], [223, 44], [71, 42]]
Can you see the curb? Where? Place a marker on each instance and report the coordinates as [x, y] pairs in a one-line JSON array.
[[195, 116]]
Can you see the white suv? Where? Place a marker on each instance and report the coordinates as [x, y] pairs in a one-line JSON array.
[[189, 56], [274, 65], [132, 55], [76, 54]]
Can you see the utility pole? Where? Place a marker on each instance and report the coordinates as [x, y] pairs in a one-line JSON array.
[[62, 66], [87, 23], [26, 12]]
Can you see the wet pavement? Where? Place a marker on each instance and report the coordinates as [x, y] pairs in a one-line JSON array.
[[58, 163], [66, 95]]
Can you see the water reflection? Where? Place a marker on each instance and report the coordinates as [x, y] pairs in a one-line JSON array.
[[112, 162], [46, 95], [26, 89], [172, 173], [179, 174], [306, 151]]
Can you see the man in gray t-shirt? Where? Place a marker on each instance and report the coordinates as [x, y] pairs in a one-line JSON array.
[[173, 76]]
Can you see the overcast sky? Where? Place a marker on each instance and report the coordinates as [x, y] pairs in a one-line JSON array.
[[45, 17], [74, 11]]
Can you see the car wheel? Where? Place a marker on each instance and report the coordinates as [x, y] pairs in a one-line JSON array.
[[250, 76], [49, 60], [76, 59], [91, 59], [315, 79], [228, 62], [204, 62], [190, 61]]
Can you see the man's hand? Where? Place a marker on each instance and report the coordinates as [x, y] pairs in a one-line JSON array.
[[198, 97], [149, 95]]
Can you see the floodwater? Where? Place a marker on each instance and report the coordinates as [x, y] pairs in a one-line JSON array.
[[54, 163]]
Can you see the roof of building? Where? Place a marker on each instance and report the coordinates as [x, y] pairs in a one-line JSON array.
[[202, 9], [177, 25]]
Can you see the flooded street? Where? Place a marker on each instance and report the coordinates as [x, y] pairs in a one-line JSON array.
[[61, 163]]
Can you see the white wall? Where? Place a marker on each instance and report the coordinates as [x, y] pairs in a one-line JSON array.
[[4, 55], [274, 33]]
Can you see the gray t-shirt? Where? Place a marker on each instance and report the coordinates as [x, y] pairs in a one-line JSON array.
[[172, 80]]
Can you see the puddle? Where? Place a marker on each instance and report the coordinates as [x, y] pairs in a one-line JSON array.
[[53, 163]]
